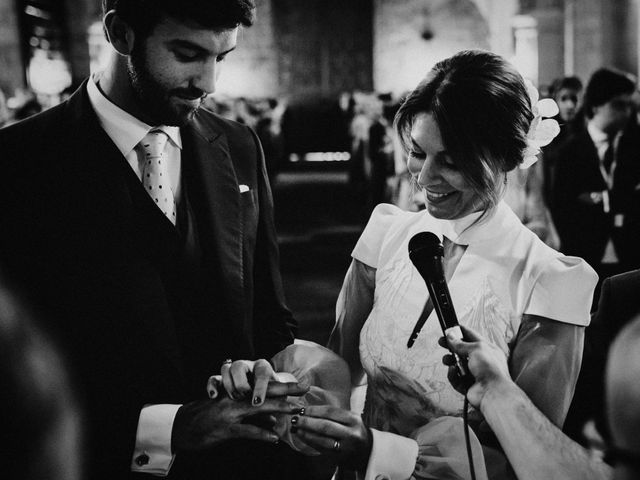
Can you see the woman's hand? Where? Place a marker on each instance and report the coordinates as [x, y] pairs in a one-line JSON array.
[[335, 431], [256, 378], [246, 377]]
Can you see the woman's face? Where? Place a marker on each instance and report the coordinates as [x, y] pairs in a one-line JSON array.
[[567, 100], [447, 194]]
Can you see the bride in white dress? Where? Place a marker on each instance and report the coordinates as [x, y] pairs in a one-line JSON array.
[[468, 123]]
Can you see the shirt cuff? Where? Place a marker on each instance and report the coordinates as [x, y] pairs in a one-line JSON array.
[[152, 453], [393, 457]]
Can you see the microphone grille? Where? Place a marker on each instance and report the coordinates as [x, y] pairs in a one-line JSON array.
[[427, 242]]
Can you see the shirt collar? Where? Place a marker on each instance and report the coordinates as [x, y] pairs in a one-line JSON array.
[[598, 136], [454, 229], [125, 130], [470, 229]]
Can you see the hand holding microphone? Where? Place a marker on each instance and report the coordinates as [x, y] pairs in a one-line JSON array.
[[426, 252], [486, 362]]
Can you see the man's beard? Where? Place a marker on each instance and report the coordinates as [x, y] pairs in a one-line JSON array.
[[152, 98]]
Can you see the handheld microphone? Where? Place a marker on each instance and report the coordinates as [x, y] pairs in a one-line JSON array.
[[426, 252]]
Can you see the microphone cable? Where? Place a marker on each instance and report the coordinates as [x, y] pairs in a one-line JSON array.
[[467, 437]]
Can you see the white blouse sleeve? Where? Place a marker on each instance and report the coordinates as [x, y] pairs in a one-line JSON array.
[[563, 291], [435, 450], [367, 250], [356, 296]]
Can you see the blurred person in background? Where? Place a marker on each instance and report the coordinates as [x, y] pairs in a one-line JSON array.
[[345, 110], [359, 134], [618, 304], [243, 112], [27, 109], [597, 173], [23, 104], [524, 185], [269, 130], [622, 390], [380, 151], [42, 421], [5, 115], [567, 93]]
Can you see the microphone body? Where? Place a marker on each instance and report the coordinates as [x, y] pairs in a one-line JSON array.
[[426, 252]]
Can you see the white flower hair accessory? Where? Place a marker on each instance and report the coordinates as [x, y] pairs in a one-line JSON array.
[[542, 129]]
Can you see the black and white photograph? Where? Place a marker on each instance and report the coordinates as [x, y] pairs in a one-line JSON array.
[[320, 239]]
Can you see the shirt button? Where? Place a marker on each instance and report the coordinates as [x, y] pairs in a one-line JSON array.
[[142, 460]]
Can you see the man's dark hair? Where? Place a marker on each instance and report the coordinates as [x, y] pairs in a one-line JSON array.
[[143, 15], [571, 82], [604, 85]]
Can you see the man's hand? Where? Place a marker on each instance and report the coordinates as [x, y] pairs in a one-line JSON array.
[[486, 362], [257, 379], [204, 424]]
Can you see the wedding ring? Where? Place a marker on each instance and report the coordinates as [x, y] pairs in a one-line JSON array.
[[228, 361], [336, 446]]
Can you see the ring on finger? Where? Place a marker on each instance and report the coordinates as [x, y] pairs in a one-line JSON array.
[[336, 446], [228, 361]]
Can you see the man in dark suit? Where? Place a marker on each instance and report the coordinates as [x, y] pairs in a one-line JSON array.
[[567, 93], [596, 180], [619, 303], [147, 301]]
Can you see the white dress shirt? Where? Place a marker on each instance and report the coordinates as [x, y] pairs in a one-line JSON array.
[[152, 452], [601, 141]]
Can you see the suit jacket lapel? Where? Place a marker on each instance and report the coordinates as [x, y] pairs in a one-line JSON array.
[[588, 154], [206, 153]]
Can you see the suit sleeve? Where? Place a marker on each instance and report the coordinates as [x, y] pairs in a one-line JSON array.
[[274, 325]]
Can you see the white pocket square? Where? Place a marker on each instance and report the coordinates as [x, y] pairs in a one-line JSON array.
[[244, 188]]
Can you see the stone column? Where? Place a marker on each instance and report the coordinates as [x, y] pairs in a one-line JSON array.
[[12, 72], [551, 49]]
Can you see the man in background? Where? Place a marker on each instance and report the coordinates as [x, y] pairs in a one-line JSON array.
[[596, 175], [618, 305]]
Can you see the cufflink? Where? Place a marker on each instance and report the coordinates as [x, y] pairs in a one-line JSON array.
[[244, 188], [142, 460], [596, 197]]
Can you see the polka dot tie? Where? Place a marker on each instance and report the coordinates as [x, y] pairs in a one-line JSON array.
[[154, 176]]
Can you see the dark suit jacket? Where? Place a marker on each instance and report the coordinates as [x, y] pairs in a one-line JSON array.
[[102, 264], [583, 227], [619, 304]]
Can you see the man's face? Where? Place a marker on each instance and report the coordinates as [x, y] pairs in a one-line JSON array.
[[175, 68], [567, 100], [613, 116]]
